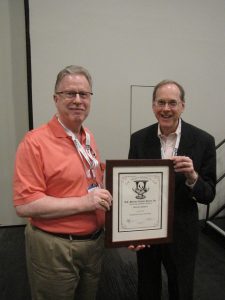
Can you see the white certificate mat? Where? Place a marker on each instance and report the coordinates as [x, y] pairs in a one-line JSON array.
[[142, 209]]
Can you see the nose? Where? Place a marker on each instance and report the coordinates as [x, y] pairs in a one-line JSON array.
[[77, 98], [167, 106]]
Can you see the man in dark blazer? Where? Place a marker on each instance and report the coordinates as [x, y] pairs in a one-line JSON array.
[[194, 156]]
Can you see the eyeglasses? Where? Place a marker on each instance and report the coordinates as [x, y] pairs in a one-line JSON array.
[[162, 103], [70, 95]]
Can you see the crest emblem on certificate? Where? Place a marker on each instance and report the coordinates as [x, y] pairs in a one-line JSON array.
[[140, 188]]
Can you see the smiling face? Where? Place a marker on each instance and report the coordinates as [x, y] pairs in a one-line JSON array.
[[72, 112], [168, 114]]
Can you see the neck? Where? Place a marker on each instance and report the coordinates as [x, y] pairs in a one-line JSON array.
[[75, 129], [167, 131]]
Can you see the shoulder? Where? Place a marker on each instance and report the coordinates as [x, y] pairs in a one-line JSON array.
[[192, 135], [147, 131], [37, 132], [37, 136], [196, 132]]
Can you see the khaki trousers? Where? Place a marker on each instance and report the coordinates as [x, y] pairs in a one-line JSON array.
[[60, 269]]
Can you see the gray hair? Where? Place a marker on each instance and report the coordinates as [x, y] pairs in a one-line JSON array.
[[165, 82], [74, 70]]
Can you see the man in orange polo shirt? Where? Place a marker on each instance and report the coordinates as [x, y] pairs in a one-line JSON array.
[[58, 185]]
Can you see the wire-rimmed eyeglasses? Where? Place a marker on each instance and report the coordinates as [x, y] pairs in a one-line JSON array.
[[70, 95], [162, 103]]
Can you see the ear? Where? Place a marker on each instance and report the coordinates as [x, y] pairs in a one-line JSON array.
[[153, 106], [183, 106], [55, 97]]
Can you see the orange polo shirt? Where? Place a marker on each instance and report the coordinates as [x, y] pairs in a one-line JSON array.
[[47, 163]]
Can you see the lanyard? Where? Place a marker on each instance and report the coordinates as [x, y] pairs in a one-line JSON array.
[[84, 152], [175, 149]]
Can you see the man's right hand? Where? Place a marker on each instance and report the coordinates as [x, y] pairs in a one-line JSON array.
[[100, 198]]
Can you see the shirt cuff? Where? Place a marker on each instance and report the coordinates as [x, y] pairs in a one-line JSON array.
[[191, 186]]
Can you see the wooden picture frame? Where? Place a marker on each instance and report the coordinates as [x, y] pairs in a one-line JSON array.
[[142, 207]]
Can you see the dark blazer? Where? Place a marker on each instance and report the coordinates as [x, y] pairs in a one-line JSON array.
[[200, 147]]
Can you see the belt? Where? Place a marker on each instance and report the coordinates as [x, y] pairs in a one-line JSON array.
[[71, 237]]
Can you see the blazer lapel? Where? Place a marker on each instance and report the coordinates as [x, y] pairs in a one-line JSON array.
[[186, 140], [152, 146]]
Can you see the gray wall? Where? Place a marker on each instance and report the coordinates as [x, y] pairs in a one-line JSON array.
[[123, 44], [13, 99], [130, 43]]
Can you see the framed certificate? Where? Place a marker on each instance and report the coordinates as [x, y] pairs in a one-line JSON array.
[[142, 207]]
